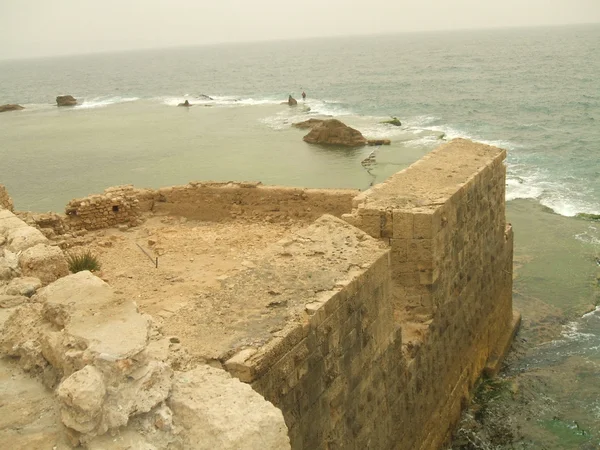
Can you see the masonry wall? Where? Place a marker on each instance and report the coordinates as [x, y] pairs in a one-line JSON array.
[[207, 201], [389, 362]]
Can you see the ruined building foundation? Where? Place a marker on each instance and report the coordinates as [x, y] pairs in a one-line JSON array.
[[365, 329]]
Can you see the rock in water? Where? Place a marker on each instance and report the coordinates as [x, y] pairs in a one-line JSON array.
[[310, 123], [393, 121], [379, 142], [66, 100], [186, 103], [292, 101], [334, 132], [11, 107]]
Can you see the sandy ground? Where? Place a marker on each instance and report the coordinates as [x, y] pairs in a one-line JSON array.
[[192, 256]]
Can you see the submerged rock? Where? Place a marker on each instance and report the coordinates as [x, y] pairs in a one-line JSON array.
[[186, 104], [66, 100], [393, 121], [334, 132], [11, 107], [205, 97], [379, 142]]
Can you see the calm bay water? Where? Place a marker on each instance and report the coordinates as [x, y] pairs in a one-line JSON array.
[[535, 92]]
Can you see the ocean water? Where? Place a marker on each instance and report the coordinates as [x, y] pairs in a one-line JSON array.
[[534, 92]]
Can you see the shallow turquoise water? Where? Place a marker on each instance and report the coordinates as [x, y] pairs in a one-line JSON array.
[[535, 92]]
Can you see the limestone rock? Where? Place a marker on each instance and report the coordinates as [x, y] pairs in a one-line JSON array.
[[46, 262], [214, 410], [22, 238], [9, 265], [11, 107], [10, 301], [126, 439], [310, 123], [20, 336], [82, 396], [334, 132], [23, 286], [65, 100]]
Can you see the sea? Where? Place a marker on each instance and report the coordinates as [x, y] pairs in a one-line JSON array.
[[532, 91]]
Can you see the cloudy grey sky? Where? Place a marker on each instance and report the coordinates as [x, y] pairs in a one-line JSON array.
[[55, 27]]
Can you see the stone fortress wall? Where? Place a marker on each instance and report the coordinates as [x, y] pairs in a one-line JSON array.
[[210, 201], [389, 311]]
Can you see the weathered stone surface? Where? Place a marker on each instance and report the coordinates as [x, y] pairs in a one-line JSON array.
[[334, 132], [213, 410], [10, 301], [23, 286], [22, 238], [82, 396], [310, 123], [373, 142], [5, 201], [66, 100], [11, 107], [46, 262], [9, 265], [125, 439], [20, 336]]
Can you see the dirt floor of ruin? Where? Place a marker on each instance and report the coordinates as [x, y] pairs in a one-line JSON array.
[[193, 258]]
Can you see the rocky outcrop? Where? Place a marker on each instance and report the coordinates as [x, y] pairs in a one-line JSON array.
[[11, 107], [78, 336], [379, 142], [5, 199], [310, 123], [66, 100], [45, 262], [291, 101], [187, 104], [393, 121], [334, 132], [198, 400]]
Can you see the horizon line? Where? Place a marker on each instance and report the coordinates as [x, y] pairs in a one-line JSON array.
[[292, 39]]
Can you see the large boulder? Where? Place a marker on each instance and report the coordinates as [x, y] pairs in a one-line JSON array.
[[334, 132], [46, 262], [66, 100], [11, 107], [23, 237], [202, 401]]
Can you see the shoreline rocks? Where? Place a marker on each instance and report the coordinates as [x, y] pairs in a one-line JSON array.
[[66, 100], [291, 101], [11, 107], [393, 121], [334, 132], [186, 104]]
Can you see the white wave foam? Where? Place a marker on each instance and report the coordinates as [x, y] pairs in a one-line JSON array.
[[100, 102], [521, 188], [571, 331]]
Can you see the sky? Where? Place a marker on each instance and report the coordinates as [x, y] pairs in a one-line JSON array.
[[31, 28]]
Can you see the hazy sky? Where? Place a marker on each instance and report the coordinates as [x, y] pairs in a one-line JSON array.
[[54, 27]]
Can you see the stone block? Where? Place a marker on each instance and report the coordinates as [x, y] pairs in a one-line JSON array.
[[403, 223], [423, 226], [44, 262]]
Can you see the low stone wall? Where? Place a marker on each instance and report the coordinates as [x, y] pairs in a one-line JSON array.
[[209, 201], [117, 205], [5, 200]]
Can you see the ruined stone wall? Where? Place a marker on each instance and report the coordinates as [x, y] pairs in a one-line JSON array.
[[389, 361], [451, 262], [117, 205], [5, 200], [208, 201], [225, 201]]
